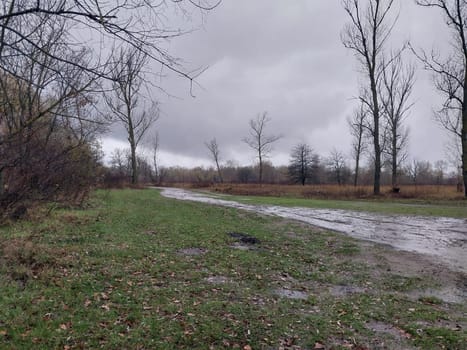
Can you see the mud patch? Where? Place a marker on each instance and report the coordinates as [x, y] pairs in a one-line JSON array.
[[291, 294], [293, 235], [241, 246], [381, 327], [343, 291], [453, 326], [217, 279], [192, 251], [244, 238], [448, 295]]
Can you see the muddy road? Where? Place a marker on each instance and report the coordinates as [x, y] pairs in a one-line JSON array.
[[442, 239]]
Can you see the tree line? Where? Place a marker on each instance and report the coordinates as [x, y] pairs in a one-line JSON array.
[[305, 167]]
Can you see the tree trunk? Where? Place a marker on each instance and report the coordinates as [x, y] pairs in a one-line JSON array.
[[219, 172], [377, 177], [303, 172], [394, 161], [260, 168], [1, 184], [357, 168], [134, 164], [464, 134]]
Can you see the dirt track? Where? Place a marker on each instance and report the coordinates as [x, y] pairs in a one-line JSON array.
[[440, 239]]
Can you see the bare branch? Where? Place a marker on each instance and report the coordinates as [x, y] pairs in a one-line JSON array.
[[259, 141]]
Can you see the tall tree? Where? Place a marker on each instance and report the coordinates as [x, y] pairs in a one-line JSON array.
[[259, 141], [357, 130], [366, 35], [213, 148], [155, 145], [301, 163], [127, 103], [395, 91], [451, 73]]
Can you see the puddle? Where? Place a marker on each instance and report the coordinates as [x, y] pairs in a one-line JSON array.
[[241, 246], [291, 294], [448, 295], [192, 251], [443, 239]]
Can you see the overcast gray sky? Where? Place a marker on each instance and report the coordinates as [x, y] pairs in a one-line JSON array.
[[286, 58]]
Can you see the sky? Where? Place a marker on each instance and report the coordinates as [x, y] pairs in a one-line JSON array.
[[285, 58]]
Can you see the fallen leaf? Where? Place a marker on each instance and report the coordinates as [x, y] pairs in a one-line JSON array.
[[404, 333], [3, 332], [87, 302], [318, 346]]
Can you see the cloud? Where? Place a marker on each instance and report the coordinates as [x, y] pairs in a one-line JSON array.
[[286, 58]]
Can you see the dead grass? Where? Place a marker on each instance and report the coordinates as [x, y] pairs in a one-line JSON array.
[[23, 259], [426, 192]]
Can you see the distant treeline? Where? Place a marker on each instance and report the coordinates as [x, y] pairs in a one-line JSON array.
[[321, 171]]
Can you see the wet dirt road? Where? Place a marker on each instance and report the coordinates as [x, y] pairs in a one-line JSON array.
[[442, 239]]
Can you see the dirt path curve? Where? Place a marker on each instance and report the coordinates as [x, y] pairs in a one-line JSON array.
[[442, 239]]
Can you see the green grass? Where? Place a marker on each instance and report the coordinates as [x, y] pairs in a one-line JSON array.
[[455, 209], [115, 277]]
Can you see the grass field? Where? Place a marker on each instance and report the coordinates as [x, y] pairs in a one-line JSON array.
[[448, 203], [138, 271], [408, 193]]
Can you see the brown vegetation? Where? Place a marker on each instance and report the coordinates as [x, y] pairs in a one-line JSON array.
[[425, 192]]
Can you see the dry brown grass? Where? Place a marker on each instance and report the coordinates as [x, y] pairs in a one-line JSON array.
[[426, 192], [23, 259]]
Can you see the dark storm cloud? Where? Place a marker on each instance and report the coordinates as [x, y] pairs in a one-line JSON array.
[[286, 58]]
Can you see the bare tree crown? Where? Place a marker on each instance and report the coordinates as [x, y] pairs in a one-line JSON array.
[[258, 140]]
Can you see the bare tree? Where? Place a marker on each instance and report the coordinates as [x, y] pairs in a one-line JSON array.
[[213, 148], [47, 120], [366, 35], [141, 24], [395, 90], [357, 130], [155, 145], [440, 171], [301, 163], [450, 73], [120, 162], [419, 172], [259, 141], [127, 103], [337, 165]]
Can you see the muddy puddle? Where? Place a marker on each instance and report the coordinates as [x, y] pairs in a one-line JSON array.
[[443, 239]]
